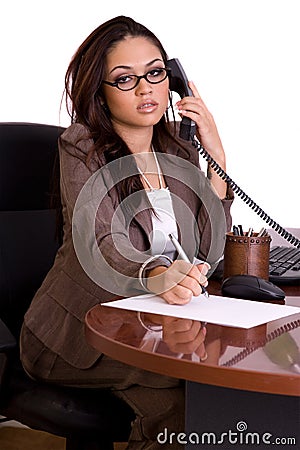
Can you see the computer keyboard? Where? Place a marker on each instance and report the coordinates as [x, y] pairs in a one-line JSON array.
[[284, 264]]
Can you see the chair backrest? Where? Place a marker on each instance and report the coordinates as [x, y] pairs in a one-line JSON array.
[[28, 242]]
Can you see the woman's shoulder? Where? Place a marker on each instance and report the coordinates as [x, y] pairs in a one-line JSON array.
[[76, 134], [76, 141]]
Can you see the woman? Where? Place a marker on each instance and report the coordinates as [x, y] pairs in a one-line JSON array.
[[122, 155]]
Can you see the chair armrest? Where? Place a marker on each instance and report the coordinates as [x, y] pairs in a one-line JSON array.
[[7, 340]]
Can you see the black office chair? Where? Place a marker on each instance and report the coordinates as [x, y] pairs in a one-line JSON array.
[[88, 420]]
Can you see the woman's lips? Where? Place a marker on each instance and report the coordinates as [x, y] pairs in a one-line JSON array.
[[147, 106]]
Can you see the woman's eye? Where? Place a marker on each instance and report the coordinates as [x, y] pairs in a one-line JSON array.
[[124, 79], [156, 72]]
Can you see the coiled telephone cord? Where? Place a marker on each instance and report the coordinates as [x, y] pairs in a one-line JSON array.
[[251, 203], [270, 337]]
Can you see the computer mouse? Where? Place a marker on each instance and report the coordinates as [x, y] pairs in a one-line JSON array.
[[250, 287]]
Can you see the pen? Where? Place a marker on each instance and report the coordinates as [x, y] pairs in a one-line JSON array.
[[241, 230], [235, 230], [261, 232], [183, 255]]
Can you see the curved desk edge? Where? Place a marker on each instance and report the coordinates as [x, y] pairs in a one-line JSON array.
[[258, 381]]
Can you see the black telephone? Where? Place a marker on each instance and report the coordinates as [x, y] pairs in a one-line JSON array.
[[179, 84]]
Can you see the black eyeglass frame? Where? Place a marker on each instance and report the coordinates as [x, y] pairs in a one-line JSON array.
[[138, 79]]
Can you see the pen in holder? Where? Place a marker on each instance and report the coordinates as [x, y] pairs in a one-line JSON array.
[[247, 255]]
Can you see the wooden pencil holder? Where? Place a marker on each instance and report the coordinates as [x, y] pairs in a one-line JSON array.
[[247, 255]]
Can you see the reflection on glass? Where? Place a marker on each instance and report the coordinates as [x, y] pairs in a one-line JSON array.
[[284, 352]]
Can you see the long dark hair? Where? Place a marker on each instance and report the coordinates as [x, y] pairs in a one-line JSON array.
[[88, 67], [84, 100]]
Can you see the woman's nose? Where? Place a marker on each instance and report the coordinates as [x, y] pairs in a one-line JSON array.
[[144, 87]]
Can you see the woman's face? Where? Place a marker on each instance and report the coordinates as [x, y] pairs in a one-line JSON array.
[[144, 105]]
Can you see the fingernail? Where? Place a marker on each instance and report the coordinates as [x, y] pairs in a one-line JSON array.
[[204, 357]]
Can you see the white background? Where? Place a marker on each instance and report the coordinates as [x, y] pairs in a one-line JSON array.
[[242, 55]]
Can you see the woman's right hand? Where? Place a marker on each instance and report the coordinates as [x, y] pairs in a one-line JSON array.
[[179, 282], [184, 336]]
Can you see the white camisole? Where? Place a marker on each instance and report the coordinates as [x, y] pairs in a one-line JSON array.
[[163, 221]]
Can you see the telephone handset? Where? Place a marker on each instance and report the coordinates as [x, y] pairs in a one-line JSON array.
[[179, 84]]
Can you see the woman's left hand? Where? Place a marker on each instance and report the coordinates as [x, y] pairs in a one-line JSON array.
[[195, 109]]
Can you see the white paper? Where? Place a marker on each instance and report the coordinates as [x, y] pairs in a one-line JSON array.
[[217, 310]]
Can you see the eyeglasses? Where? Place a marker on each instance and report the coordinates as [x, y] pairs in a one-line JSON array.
[[128, 82]]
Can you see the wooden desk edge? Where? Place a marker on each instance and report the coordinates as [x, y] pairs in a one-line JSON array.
[[276, 383]]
